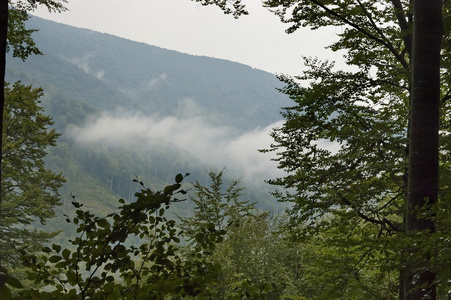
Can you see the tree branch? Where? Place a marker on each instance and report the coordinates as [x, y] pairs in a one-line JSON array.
[[446, 97], [382, 40], [383, 222], [403, 24]]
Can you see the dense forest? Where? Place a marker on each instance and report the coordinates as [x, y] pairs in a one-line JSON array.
[[358, 208]]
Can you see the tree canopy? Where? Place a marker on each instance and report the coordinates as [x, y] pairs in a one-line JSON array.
[[359, 145], [13, 34], [134, 253], [347, 144], [29, 189]]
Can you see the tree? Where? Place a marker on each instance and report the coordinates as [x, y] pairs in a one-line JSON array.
[[259, 262], [130, 254], [13, 34], [215, 207], [254, 259], [423, 176], [30, 191], [385, 56], [382, 120]]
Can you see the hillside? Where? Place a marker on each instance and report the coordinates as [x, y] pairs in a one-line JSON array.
[[88, 75], [110, 72]]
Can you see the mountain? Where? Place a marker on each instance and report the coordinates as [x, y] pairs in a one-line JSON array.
[[89, 76], [110, 72]]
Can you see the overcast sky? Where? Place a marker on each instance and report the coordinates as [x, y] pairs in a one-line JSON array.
[[257, 40]]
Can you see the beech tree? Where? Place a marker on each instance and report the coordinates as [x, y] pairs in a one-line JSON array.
[[423, 176], [362, 146], [13, 34], [30, 190]]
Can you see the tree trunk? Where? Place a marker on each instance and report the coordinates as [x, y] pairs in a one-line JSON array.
[[424, 140], [3, 34]]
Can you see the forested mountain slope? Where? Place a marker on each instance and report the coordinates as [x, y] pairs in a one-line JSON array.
[[86, 73], [108, 72]]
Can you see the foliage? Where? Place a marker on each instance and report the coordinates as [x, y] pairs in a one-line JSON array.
[[106, 262], [31, 5], [138, 253], [29, 189], [344, 143], [228, 7], [256, 261], [216, 207], [19, 38], [259, 258], [13, 34], [339, 263], [361, 115]]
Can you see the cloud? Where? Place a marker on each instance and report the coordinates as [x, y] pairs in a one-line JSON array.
[[188, 130], [100, 74], [83, 63], [156, 81], [241, 152]]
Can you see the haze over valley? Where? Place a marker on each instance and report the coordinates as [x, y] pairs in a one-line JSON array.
[[165, 111]]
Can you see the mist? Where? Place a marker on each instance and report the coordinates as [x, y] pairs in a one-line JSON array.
[[190, 129]]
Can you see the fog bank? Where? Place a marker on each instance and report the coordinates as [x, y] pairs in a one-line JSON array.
[[216, 146]]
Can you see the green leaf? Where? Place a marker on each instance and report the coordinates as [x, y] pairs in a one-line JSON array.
[[179, 178], [61, 265], [14, 282], [47, 250], [56, 247], [71, 277], [169, 189], [102, 223], [54, 259], [66, 253]]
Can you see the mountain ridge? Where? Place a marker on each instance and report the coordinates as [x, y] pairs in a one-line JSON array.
[[152, 76], [86, 73]]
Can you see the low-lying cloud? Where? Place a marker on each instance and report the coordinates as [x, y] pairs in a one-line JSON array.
[[215, 146], [156, 81], [83, 63]]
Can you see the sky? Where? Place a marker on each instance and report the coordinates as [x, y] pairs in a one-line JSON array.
[[258, 40]]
